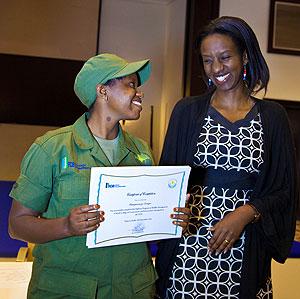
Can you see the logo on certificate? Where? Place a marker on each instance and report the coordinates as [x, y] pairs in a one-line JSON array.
[[109, 185], [172, 183]]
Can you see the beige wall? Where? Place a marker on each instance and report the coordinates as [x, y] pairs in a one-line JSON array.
[[134, 29], [137, 29], [172, 88], [49, 28], [14, 142], [285, 279]]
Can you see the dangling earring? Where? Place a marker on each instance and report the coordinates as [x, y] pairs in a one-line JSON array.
[[209, 82], [245, 73]]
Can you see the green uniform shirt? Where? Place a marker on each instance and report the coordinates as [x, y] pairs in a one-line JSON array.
[[54, 178]]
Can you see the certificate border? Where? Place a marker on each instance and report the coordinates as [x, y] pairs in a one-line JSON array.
[[142, 175]]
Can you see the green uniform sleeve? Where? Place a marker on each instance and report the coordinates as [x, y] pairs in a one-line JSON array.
[[34, 186]]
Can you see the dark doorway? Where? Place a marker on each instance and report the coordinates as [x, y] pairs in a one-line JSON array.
[[199, 13]]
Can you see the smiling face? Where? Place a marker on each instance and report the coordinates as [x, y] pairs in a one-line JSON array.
[[124, 101], [222, 61]]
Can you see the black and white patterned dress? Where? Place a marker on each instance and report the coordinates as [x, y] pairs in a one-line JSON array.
[[231, 154]]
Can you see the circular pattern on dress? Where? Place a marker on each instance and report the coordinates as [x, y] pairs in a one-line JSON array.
[[197, 273]]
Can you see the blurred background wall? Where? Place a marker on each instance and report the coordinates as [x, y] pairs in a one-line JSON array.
[[134, 29]]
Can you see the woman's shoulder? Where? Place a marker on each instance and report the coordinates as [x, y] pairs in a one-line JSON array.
[[193, 103], [54, 136], [54, 133], [195, 100], [64, 135], [270, 104], [271, 108]]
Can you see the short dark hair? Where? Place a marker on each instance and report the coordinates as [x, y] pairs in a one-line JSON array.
[[258, 74]]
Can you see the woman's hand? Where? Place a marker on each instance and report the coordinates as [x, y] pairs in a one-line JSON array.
[[229, 229], [84, 219], [182, 215], [29, 225]]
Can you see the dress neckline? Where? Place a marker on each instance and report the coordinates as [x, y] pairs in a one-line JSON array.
[[219, 117]]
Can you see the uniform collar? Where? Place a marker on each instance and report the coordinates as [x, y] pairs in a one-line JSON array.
[[85, 140], [82, 134]]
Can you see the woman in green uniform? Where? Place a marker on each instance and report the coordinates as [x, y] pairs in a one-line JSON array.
[[50, 206]]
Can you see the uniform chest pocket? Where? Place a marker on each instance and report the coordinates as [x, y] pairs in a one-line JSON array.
[[72, 191]]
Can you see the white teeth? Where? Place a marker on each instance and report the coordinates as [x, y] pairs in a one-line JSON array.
[[222, 78], [137, 103]]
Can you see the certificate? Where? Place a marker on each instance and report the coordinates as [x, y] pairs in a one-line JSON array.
[[137, 201]]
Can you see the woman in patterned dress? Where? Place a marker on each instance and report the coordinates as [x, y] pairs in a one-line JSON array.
[[242, 184]]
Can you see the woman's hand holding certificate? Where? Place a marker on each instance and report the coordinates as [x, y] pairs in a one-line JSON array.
[[138, 202], [181, 215]]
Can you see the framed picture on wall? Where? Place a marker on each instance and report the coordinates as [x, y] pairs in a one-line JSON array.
[[284, 26]]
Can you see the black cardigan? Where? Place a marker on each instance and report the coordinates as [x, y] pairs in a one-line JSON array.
[[274, 195]]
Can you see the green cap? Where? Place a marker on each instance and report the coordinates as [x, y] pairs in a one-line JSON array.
[[101, 68]]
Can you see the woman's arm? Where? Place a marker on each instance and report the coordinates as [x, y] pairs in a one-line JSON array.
[[228, 230], [28, 225]]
